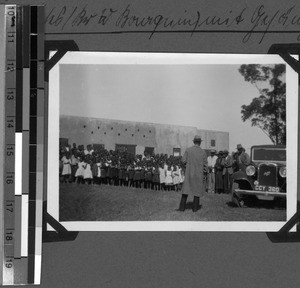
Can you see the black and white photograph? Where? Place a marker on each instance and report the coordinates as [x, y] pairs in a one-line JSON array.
[[167, 142]]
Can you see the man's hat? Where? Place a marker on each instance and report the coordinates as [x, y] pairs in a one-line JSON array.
[[220, 153], [225, 152], [239, 146], [197, 138], [213, 151]]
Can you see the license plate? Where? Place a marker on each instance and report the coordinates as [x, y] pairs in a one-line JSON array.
[[266, 188]]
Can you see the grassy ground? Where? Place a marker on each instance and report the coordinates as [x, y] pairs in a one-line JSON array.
[[79, 202]]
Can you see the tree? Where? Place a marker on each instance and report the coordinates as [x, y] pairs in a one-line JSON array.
[[268, 110]]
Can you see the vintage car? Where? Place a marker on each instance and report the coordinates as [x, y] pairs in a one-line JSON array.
[[264, 178]]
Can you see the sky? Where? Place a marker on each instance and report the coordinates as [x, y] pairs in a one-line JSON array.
[[206, 96]]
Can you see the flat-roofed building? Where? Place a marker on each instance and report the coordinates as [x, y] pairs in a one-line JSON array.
[[136, 137]]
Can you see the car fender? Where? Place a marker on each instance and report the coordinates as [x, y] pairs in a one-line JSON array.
[[242, 180], [240, 175]]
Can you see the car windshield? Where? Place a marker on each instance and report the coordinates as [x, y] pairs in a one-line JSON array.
[[268, 154]]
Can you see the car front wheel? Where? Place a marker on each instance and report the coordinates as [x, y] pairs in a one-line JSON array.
[[238, 202]]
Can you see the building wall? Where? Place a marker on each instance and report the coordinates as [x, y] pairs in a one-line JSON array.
[[83, 130]]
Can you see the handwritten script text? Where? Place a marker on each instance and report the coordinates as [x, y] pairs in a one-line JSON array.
[[247, 21]]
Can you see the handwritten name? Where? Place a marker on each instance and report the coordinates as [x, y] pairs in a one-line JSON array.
[[247, 21]]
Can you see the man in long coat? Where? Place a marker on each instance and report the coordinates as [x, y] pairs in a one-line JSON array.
[[196, 165]]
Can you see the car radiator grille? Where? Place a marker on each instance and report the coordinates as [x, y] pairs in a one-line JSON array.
[[267, 175]]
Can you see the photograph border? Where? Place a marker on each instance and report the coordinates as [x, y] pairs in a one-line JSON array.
[[170, 58]]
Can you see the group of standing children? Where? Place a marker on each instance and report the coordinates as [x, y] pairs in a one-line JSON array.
[[156, 172]]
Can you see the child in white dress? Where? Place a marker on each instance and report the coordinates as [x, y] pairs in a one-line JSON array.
[[169, 178], [87, 173], [66, 169], [80, 171], [162, 176], [99, 164], [176, 177]]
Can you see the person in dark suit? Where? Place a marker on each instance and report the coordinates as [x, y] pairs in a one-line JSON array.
[[195, 160], [227, 172], [219, 173]]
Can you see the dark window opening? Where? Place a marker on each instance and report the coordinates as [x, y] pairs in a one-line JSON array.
[[63, 142], [149, 150], [98, 147], [126, 148], [213, 143], [176, 152]]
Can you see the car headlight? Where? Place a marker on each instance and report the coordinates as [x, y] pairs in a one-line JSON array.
[[250, 170], [282, 172]]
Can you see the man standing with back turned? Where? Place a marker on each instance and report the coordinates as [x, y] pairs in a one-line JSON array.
[[196, 164]]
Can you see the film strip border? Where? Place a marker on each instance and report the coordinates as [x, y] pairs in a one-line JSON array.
[[23, 144]]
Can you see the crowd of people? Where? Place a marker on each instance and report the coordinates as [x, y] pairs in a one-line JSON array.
[[120, 168], [98, 166], [221, 167]]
